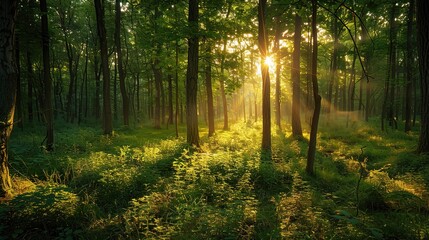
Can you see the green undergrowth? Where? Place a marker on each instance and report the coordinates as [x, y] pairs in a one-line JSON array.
[[143, 183]]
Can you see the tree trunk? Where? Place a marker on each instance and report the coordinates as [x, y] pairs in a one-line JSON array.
[[158, 81], [30, 80], [209, 90], [176, 81], [266, 106], [18, 109], [317, 99], [125, 99], [295, 75], [47, 82], [192, 77], [107, 109], [423, 50], [409, 67], [333, 70], [8, 75], [170, 99], [278, 69], [389, 91]]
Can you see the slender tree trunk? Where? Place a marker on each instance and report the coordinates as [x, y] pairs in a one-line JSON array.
[[69, 107], [86, 78], [115, 89], [125, 99], [170, 99], [158, 79], [266, 106], [47, 82], [317, 99], [107, 109], [18, 108], [8, 78], [278, 69], [162, 103], [389, 93], [176, 81], [333, 72], [409, 68], [192, 77], [295, 75], [208, 72], [30, 80], [423, 50]]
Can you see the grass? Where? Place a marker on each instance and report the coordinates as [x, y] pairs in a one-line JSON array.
[[143, 183]]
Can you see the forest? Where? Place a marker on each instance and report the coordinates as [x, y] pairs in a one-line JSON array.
[[214, 119]]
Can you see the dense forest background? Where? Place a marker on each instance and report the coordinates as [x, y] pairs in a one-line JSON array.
[[214, 119]]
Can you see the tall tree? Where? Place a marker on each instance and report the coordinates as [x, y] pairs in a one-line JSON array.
[[125, 99], [208, 78], [317, 99], [334, 65], [276, 49], [423, 52], [263, 48], [8, 78], [48, 111], [409, 67], [389, 90], [107, 109], [192, 77], [296, 88]]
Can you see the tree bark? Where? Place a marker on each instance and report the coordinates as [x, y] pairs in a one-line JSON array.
[[107, 109], [409, 68], [423, 51], [266, 105], [317, 99], [278, 72], [192, 77], [333, 70], [295, 75], [389, 91], [8, 78], [125, 99], [209, 90], [47, 82]]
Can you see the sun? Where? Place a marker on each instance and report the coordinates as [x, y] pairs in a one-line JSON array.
[[269, 61]]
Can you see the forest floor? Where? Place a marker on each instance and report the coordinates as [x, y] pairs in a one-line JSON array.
[[143, 183]]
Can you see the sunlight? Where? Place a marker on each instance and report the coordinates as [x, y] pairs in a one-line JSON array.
[[269, 61]]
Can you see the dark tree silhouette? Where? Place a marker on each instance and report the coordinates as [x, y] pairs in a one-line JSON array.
[[107, 109], [192, 77], [8, 77], [266, 107], [48, 111], [423, 51], [317, 99]]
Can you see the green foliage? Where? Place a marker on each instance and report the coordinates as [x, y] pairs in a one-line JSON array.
[[42, 212], [133, 187]]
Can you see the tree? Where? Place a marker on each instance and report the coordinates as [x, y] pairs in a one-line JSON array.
[[389, 90], [125, 100], [317, 99], [296, 88], [8, 78], [423, 53], [48, 111], [278, 34], [266, 107], [409, 67], [208, 78], [107, 110], [192, 77]]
